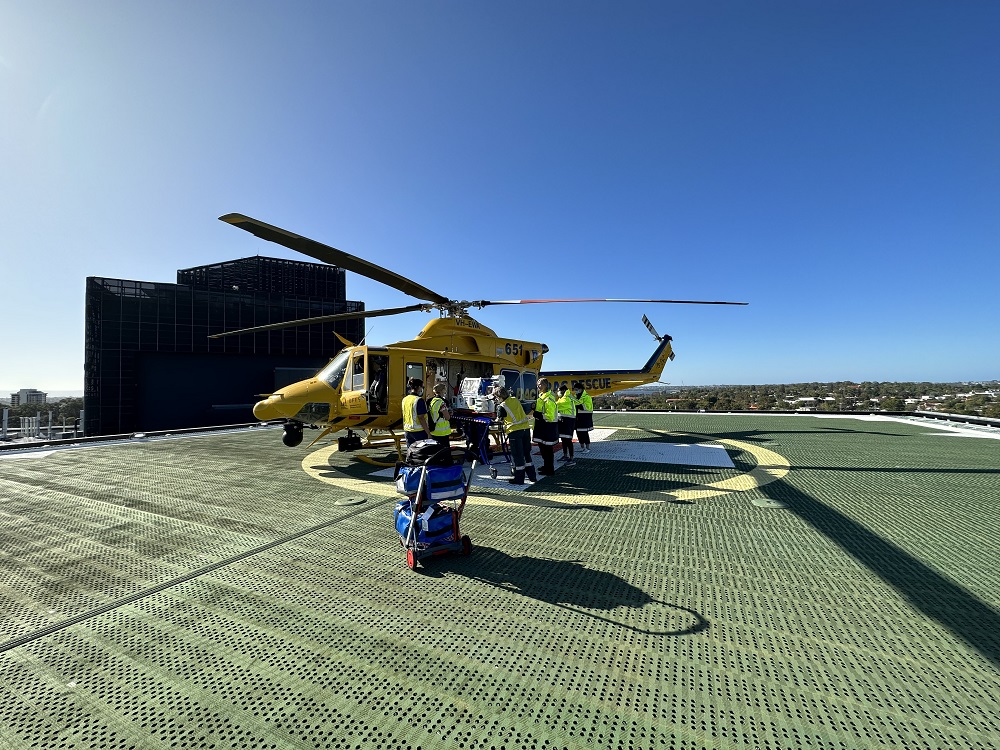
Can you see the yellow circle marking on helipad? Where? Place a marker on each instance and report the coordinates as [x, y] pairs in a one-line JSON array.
[[310, 465], [770, 467]]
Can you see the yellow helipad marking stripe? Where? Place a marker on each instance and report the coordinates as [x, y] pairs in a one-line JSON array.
[[770, 467], [322, 457]]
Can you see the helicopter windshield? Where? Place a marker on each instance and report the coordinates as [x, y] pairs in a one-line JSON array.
[[333, 373]]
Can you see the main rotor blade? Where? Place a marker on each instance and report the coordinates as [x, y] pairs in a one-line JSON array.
[[484, 303], [333, 256], [323, 319]]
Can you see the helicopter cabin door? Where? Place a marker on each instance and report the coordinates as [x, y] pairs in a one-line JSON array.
[[356, 401]]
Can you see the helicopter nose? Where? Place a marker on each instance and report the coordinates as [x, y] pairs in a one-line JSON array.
[[288, 402], [274, 407]]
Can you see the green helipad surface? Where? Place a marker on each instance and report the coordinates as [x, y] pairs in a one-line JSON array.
[[838, 588]]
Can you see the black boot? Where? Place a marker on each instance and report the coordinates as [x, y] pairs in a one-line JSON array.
[[532, 476], [548, 460], [518, 477]]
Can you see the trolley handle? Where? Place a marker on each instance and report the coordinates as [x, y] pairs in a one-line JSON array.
[[455, 452]]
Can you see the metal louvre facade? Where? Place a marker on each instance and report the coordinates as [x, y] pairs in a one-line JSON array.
[[150, 365], [259, 275]]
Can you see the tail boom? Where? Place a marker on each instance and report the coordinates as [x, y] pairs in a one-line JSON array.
[[598, 382]]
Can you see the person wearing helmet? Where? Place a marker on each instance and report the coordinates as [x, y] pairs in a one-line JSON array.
[[516, 425], [414, 412]]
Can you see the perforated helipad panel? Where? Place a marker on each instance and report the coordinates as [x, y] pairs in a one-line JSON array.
[[209, 594]]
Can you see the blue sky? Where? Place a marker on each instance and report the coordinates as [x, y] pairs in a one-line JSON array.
[[835, 164]]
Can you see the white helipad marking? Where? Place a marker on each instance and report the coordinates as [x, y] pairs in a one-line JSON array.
[[942, 429], [962, 434], [28, 454], [680, 454]]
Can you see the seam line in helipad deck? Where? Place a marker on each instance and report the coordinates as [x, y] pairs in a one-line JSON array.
[[114, 502], [104, 608]]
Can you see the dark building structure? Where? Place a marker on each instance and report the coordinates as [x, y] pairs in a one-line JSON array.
[[149, 361]]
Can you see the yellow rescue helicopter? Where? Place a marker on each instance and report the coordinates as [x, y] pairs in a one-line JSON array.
[[362, 388]]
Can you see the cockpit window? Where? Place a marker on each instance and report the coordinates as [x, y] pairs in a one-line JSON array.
[[333, 373]]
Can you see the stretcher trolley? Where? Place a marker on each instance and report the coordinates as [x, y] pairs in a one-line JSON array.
[[477, 430], [428, 520], [475, 411]]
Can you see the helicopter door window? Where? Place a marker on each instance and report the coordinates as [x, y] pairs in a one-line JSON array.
[[528, 390], [523, 385], [358, 373], [510, 380], [414, 370], [437, 373]]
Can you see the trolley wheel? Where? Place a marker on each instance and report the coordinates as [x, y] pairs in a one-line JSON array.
[[466, 545], [493, 472], [411, 559]]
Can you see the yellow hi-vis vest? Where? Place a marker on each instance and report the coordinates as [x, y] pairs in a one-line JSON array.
[[545, 405], [566, 406], [514, 418], [410, 421], [586, 402], [439, 425]]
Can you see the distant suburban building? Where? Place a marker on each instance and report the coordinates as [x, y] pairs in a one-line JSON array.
[[28, 396], [149, 363]]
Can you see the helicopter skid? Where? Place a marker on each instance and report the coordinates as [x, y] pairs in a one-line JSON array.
[[390, 441]]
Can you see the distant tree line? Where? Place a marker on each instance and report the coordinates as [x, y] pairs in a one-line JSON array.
[[68, 407], [953, 398]]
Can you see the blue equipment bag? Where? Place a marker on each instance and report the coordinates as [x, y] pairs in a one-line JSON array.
[[408, 480], [442, 483], [435, 525]]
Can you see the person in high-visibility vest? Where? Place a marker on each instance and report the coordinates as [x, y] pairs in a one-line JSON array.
[[566, 411], [546, 427], [440, 414], [517, 426], [584, 416], [414, 412]]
